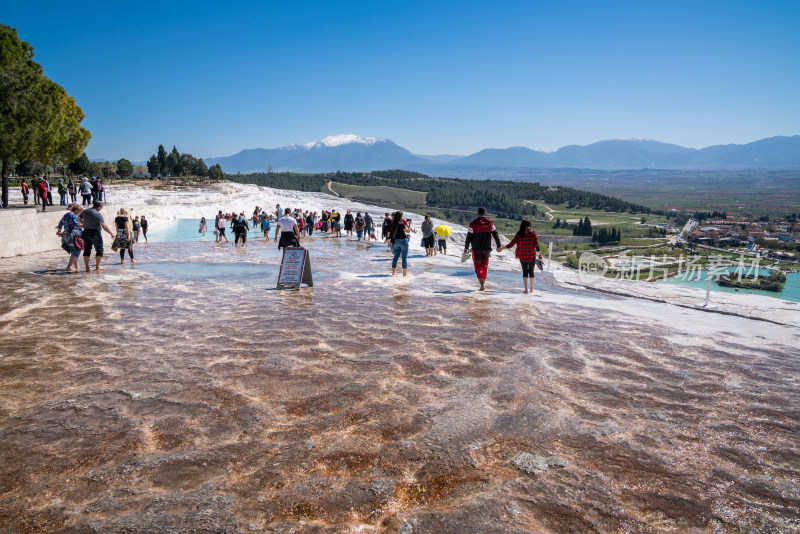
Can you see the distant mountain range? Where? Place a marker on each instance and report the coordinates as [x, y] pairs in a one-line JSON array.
[[352, 153]]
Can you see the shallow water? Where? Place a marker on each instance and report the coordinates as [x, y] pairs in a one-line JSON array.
[[791, 290], [184, 393]]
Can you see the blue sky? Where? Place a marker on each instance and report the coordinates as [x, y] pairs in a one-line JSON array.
[[435, 77]]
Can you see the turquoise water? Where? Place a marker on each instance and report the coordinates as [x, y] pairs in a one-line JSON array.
[[791, 290], [198, 263], [205, 271], [182, 230]]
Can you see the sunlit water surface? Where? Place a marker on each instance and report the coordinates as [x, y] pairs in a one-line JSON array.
[[185, 393]]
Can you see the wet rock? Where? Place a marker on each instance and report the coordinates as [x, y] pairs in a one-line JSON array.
[[605, 429], [513, 510], [658, 415], [533, 464], [381, 486]]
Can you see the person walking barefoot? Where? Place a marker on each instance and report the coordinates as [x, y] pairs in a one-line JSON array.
[[221, 228], [479, 234], [398, 234], [527, 244], [92, 223], [124, 238], [427, 236], [68, 228], [143, 224]]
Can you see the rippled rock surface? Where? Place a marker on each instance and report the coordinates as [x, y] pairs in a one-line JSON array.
[[186, 395]]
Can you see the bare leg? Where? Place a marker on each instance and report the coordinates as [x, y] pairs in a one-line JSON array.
[[86, 262], [97, 260], [482, 281], [394, 271], [525, 283], [405, 271]]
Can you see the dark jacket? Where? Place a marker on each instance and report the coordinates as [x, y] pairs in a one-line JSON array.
[[240, 225], [480, 234]]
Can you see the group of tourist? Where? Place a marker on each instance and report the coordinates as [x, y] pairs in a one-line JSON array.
[[330, 222], [81, 230], [480, 234], [292, 225], [89, 189]]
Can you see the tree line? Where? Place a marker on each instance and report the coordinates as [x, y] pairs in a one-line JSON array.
[[583, 228], [175, 164], [80, 166], [605, 236], [39, 121]]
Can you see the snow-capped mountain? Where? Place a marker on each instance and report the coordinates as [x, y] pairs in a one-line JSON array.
[[344, 152], [343, 139], [348, 152]]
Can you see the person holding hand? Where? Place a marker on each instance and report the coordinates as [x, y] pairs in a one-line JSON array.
[[527, 244]]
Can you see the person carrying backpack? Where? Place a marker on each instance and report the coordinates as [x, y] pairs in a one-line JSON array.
[[240, 228], [62, 192], [359, 226]]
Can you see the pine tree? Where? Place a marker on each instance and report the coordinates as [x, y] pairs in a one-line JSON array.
[[153, 166], [162, 160], [587, 226]]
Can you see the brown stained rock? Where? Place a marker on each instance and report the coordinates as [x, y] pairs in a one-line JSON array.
[[332, 402], [556, 517], [171, 433], [210, 422], [437, 483], [185, 474], [671, 511]]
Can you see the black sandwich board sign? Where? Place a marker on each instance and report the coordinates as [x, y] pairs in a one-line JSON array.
[[295, 268]]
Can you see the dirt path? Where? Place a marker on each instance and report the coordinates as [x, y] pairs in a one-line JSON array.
[[545, 206], [334, 193]]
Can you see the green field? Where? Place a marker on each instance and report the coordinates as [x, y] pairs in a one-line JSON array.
[[404, 199], [381, 195], [598, 217]]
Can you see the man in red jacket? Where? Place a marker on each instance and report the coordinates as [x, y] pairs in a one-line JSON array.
[[479, 235]]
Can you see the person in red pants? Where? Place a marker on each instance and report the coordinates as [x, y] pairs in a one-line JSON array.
[[479, 235]]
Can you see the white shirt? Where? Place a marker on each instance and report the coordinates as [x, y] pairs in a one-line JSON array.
[[286, 223]]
